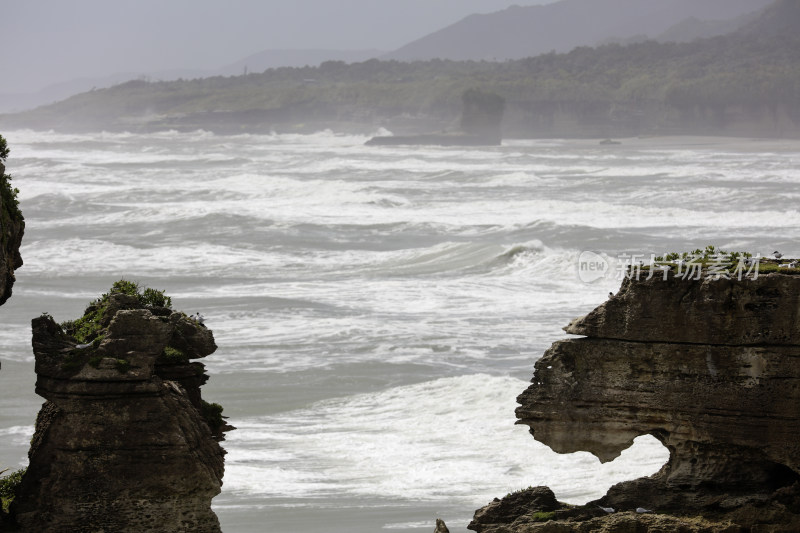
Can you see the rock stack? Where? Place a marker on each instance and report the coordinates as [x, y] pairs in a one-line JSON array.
[[124, 441]]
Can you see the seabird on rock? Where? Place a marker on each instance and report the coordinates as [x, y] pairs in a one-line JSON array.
[[609, 510], [793, 264], [200, 319], [643, 510], [82, 346], [610, 294]]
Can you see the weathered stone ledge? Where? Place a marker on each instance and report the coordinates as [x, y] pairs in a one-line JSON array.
[[707, 367]]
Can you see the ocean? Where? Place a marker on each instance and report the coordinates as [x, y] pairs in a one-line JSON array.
[[377, 309]]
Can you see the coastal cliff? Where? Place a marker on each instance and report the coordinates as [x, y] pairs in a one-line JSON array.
[[710, 368], [12, 226], [124, 441]]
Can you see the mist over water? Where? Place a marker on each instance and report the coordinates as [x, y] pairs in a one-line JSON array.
[[377, 310]]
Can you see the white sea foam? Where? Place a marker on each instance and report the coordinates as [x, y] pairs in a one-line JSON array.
[[97, 257], [427, 524], [317, 259], [403, 442], [16, 436]]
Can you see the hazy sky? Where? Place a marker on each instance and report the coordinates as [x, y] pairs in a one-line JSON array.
[[47, 41]]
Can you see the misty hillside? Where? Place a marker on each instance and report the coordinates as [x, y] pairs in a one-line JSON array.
[[743, 83], [519, 32], [267, 59], [694, 28], [781, 18]]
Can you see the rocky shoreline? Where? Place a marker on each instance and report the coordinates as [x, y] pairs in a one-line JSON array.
[[706, 366], [709, 368]]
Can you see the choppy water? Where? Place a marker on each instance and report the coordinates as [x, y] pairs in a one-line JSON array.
[[377, 309]]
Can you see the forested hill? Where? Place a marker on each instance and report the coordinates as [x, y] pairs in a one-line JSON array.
[[524, 31], [747, 83]]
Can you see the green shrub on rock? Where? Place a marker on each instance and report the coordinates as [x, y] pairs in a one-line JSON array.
[[7, 192], [8, 488], [212, 414], [88, 328]]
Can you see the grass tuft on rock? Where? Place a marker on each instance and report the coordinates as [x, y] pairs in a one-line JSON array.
[[173, 356], [543, 516]]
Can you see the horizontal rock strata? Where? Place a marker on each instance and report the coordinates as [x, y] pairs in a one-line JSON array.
[[711, 368], [730, 312], [119, 446]]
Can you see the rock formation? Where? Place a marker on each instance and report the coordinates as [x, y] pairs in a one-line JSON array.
[[481, 121], [483, 114], [709, 367], [122, 444], [12, 226]]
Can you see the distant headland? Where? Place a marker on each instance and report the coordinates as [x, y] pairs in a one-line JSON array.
[[728, 85]]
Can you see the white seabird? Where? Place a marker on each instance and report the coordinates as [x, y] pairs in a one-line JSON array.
[[643, 510], [609, 510], [777, 254]]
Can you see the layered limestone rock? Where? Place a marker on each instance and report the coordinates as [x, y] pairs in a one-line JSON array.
[[121, 445], [709, 367], [729, 312], [12, 226]]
